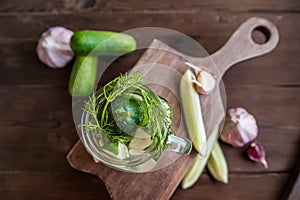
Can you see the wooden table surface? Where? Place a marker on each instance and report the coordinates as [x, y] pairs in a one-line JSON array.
[[36, 124]]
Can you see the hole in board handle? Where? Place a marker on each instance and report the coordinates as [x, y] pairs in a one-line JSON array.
[[261, 35]]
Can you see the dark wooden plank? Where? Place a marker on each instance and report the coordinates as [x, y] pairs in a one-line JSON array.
[[291, 189], [295, 193], [199, 24], [35, 106], [37, 142], [39, 126], [241, 186], [280, 157], [43, 153], [54, 186], [270, 105], [50, 154], [79, 159], [235, 5], [153, 6], [29, 6], [36, 128], [19, 63], [168, 177], [44, 149], [263, 103], [53, 6], [79, 186], [171, 175]]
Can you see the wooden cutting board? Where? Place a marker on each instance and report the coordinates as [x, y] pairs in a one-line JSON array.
[[162, 183]]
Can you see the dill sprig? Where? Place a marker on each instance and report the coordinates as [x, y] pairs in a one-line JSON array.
[[156, 122]]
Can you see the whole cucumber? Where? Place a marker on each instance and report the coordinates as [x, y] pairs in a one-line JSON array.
[[101, 43], [83, 75]]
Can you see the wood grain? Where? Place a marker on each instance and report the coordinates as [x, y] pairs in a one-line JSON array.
[[32, 151], [248, 187], [161, 55], [45, 124], [221, 23], [19, 58], [75, 185], [138, 6], [58, 186], [159, 184], [19, 65], [295, 193]]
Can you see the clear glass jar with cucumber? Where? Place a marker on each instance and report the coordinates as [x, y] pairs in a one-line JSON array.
[[124, 124], [127, 126]]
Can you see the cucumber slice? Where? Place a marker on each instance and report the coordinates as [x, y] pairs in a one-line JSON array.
[[139, 142], [194, 172]]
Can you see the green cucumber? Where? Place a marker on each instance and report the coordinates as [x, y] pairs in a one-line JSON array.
[[101, 43], [83, 75]]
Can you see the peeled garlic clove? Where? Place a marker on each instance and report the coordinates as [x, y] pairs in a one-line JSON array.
[[240, 127], [205, 80], [53, 47], [256, 152]]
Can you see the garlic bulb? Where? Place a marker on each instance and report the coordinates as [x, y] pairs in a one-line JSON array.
[[53, 47], [240, 127], [205, 80]]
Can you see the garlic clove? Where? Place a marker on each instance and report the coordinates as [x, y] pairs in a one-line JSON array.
[[205, 80], [231, 135], [53, 47], [240, 127], [256, 152]]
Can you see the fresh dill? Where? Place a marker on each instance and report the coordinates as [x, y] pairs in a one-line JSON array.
[[123, 105]]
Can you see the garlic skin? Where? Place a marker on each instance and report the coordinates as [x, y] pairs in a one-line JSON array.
[[240, 127], [53, 47], [205, 80]]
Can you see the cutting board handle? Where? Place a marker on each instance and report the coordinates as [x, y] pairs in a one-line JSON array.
[[241, 46]]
